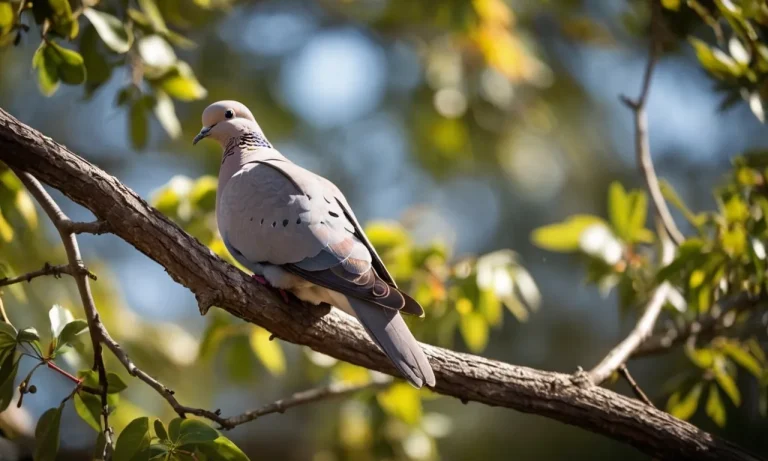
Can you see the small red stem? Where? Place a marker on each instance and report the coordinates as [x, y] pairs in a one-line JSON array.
[[64, 373]]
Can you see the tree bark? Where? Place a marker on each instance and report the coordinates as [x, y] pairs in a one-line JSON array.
[[569, 399]]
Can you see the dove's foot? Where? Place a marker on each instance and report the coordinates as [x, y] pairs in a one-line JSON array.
[[262, 281]]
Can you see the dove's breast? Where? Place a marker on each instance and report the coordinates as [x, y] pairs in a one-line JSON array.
[[266, 218]]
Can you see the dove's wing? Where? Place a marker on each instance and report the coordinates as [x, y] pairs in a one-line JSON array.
[[275, 212]]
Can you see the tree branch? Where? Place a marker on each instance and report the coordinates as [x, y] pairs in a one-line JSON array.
[[619, 355], [624, 371], [334, 390], [723, 313], [80, 273], [47, 269], [464, 376], [642, 143]]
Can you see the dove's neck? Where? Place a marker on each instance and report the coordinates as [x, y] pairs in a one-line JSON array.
[[241, 150]]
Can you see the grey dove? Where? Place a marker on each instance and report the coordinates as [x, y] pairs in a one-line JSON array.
[[296, 231]]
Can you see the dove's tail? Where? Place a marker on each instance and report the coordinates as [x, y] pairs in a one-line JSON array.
[[389, 331]]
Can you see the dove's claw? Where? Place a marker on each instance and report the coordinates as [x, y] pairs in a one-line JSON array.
[[260, 279], [284, 294]]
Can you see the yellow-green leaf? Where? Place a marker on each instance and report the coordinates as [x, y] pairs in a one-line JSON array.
[[619, 210], [564, 237], [111, 30], [402, 401], [269, 352], [743, 358], [69, 64], [673, 5], [6, 231], [490, 306], [474, 330], [638, 211], [153, 15], [686, 407], [47, 70], [139, 124], [728, 385], [26, 208], [671, 195], [88, 407], [6, 18], [180, 83], [715, 408], [63, 21], [734, 240], [703, 358], [715, 61], [166, 114]]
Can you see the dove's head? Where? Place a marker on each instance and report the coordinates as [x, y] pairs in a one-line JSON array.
[[226, 119]]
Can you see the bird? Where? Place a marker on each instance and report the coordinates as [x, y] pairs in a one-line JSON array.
[[296, 232]]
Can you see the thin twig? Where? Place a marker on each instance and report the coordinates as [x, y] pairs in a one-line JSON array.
[[334, 390], [642, 143], [717, 322], [47, 269], [644, 327], [81, 275], [633, 384]]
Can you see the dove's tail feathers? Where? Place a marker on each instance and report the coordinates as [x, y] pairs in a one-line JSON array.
[[388, 330]]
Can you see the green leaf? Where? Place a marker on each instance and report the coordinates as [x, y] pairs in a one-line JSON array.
[[715, 408], [98, 69], [98, 447], [174, 429], [160, 431], [671, 195], [474, 330], [192, 431], [28, 335], [619, 210], [203, 194], [70, 332], [69, 63], [402, 401], [47, 435], [638, 211], [728, 385], [269, 352], [115, 383], [490, 306], [715, 61], [153, 15], [47, 69], [166, 114], [222, 449], [88, 407], [673, 5], [7, 18], [64, 23], [6, 230], [686, 407], [564, 237], [111, 30], [134, 438], [8, 335], [239, 359], [8, 370], [743, 358], [139, 124], [702, 358], [180, 83]]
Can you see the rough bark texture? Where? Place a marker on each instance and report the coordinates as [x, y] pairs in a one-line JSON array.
[[569, 399]]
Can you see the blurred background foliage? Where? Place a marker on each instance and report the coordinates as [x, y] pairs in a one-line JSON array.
[[483, 145]]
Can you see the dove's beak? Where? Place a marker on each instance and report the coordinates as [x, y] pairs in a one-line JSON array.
[[202, 134]]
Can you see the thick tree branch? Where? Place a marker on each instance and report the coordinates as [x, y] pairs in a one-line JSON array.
[[80, 273], [464, 376], [47, 269]]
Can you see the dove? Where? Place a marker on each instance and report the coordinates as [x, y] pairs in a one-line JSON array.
[[297, 233]]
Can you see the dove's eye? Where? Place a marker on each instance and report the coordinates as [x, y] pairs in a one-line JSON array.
[[229, 113]]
